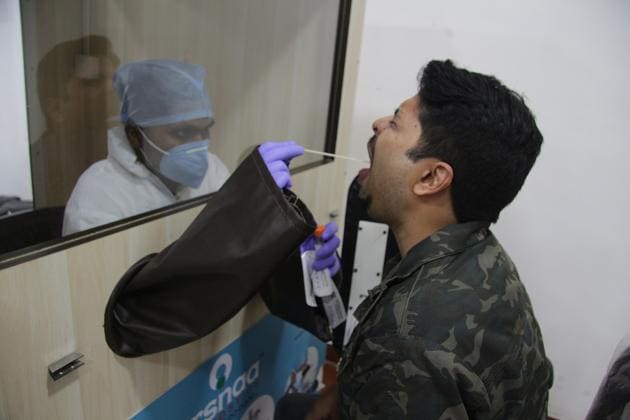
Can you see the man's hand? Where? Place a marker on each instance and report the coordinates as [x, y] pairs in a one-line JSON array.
[[277, 156], [327, 405], [326, 255]]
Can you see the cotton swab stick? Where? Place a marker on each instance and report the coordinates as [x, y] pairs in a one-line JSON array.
[[316, 152]]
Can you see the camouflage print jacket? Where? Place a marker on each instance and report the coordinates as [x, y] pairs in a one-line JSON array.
[[449, 334]]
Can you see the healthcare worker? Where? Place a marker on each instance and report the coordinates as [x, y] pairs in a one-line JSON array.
[[160, 156]]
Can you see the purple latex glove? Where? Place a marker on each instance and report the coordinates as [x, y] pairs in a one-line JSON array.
[[277, 156], [326, 255]]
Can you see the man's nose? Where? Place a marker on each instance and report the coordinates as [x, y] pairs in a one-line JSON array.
[[380, 124]]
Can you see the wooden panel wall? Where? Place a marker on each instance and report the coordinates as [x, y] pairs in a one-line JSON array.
[[54, 305]]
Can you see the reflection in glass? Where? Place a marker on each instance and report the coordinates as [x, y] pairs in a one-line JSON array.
[[268, 63], [72, 84], [161, 154], [76, 97]]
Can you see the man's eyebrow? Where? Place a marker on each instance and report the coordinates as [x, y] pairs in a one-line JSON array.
[[397, 112]]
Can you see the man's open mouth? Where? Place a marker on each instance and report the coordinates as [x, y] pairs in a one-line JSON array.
[[365, 172], [370, 148]]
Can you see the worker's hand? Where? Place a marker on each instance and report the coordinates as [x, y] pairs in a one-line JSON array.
[[326, 255], [277, 156]]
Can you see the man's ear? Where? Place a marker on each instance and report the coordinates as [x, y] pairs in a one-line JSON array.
[[434, 176], [133, 136], [135, 140]]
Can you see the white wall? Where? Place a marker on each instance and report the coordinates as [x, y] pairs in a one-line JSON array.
[[15, 173], [568, 230]]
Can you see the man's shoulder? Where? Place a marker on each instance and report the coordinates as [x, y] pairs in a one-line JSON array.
[[101, 168], [106, 174], [475, 287], [467, 316], [107, 182]]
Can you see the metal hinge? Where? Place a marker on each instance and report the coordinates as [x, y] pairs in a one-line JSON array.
[[65, 365]]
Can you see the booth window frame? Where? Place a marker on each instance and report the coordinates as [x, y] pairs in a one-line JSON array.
[[22, 255]]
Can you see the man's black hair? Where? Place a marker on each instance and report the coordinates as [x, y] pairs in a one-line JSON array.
[[483, 130]]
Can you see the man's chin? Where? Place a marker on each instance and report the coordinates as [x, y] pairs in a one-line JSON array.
[[362, 179], [364, 195], [367, 198], [370, 208], [362, 176]]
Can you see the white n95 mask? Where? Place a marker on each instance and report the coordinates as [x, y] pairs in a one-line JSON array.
[[186, 163]]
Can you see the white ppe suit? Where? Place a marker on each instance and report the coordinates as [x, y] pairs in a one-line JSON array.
[[121, 186]]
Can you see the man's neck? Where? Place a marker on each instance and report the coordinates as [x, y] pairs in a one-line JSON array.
[[413, 230], [173, 186]]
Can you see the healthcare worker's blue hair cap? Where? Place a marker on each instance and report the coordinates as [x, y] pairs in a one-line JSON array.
[[159, 92]]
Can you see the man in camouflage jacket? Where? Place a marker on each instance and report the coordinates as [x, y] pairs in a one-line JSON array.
[[450, 333]]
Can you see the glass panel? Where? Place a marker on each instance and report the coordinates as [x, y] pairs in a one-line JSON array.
[[136, 105]]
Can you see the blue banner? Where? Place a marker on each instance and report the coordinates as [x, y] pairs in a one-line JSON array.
[[247, 378]]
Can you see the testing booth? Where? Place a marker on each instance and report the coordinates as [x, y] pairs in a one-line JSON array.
[[272, 70]]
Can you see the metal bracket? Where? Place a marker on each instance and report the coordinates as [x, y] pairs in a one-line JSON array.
[[65, 365], [368, 264]]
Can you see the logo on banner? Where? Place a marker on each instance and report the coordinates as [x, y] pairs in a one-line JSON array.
[[244, 380], [220, 372], [231, 395]]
